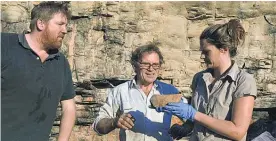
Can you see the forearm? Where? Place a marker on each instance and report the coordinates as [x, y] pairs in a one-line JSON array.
[[222, 127], [105, 125], [67, 123]]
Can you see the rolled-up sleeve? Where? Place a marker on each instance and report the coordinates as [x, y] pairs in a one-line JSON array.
[[108, 110], [246, 86]]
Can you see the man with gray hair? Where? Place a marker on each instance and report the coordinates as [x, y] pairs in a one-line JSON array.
[[35, 77], [128, 105]]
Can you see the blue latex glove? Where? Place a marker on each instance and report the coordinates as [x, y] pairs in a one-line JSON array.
[[180, 109]]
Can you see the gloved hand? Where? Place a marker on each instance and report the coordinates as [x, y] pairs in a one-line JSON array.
[[180, 109]]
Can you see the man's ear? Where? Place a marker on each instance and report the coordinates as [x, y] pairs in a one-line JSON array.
[[40, 25], [135, 68]]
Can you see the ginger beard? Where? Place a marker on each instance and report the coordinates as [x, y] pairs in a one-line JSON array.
[[52, 40]]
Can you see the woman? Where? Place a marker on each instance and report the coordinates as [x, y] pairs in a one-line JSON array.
[[223, 95]]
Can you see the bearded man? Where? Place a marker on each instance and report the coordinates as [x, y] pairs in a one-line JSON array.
[[35, 77]]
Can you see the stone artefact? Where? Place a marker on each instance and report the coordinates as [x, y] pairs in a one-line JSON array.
[[163, 100]]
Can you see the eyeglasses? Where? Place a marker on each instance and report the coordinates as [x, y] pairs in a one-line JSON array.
[[145, 65]]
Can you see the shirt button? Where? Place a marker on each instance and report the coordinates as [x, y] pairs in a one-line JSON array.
[[37, 58]]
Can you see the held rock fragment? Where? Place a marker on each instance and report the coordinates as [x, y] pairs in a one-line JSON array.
[[162, 100]]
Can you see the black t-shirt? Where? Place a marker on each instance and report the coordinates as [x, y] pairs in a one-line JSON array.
[[30, 90]]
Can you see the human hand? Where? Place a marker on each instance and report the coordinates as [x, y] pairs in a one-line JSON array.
[[179, 109], [125, 121]]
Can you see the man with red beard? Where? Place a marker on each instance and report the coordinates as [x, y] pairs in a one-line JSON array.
[[128, 105], [35, 77]]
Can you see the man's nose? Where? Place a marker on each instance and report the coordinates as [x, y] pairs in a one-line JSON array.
[[151, 68], [64, 29]]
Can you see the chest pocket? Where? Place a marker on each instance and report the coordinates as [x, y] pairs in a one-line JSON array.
[[222, 103], [200, 99], [126, 103], [127, 106]]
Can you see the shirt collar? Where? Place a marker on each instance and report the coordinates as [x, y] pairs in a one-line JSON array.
[[24, 43], [207, 75], [133, 83], [232, 73]]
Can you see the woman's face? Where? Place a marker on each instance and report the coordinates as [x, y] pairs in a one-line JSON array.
[[211, 54]]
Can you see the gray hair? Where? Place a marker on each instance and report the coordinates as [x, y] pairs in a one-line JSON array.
[[149, 48]]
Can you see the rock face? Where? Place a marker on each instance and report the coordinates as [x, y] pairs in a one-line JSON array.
[[102, 35]]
